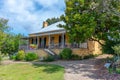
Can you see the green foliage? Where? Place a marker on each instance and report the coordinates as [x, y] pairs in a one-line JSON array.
[[3, 25], [112, 71], [49, 58], [107, 47], [77, 57], [116, 49], [52, 20], [3, 29], [31, 56], [20, 55], [66, 53], [92, 19], [89, 56], [11, 44], [13, 57]]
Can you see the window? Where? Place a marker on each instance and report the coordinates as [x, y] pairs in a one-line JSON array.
[[83, 45]]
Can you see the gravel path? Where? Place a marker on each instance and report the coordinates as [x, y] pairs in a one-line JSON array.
[[90, 69]]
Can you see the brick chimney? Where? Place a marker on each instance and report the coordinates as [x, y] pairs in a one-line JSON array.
[[45, 24]]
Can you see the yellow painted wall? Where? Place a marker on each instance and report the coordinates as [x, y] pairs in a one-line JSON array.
[[56, 39], [93, 47], [66, 39], [40, 52]]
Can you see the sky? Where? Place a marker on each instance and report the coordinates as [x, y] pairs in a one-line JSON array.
[[27, 16]]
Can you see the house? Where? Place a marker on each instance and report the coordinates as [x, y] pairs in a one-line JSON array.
[[53, 39]]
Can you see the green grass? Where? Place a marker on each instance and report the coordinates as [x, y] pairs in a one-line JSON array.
[[31, 72]]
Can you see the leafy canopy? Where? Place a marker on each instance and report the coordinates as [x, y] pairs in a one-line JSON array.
[[9, 43], [92, 19], [52, 20]]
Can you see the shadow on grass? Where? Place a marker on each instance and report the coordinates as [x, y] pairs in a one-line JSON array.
[[49, 68]]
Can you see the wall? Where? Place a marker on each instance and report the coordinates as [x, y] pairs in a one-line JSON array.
[[93, 48], [40, 52], [56, 39], [98, 48]]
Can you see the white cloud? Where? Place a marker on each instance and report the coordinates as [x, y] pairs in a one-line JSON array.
[[26, 16]]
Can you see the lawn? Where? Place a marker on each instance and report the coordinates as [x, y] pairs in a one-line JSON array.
[[31, 72]]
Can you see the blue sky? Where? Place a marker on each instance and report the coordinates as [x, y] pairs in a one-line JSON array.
[[26, 16]]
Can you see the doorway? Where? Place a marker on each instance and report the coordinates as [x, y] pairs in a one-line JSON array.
[[45, 42], [60, 40], [40, 43]]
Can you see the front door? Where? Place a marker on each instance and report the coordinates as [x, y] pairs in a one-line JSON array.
[[40, 43], [60, 40], [45, 42]]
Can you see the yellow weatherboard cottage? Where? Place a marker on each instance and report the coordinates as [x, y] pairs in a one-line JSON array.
[[53, 39]]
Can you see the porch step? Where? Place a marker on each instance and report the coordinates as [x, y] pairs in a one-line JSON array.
[[50, 52]]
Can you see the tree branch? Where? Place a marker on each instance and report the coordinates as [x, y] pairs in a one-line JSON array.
[[97, 41]]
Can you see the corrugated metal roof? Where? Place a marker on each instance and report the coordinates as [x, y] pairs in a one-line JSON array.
[[50, 28]]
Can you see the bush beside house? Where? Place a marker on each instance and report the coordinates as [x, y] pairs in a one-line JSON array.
[[66, 53], [31, 56], [49, 58], [21, 55]]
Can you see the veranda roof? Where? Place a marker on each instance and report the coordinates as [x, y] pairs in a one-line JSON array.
[[51, 29]]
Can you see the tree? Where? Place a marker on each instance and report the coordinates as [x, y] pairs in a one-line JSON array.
[[11, 44], [92, 20], [107, 47], [3, 29], [52, 20], [3, 25]]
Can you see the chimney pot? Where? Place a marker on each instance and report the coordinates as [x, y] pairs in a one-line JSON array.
[[45, 24]]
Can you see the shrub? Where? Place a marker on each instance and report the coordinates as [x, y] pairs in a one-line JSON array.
[[31, 56], [49, 58], [116, 49], [107, 47], [66, 53], [13, 57], [76, 57], [89, 56], [20, 55]]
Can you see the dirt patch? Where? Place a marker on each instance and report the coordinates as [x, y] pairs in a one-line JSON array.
[[103, 72]]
